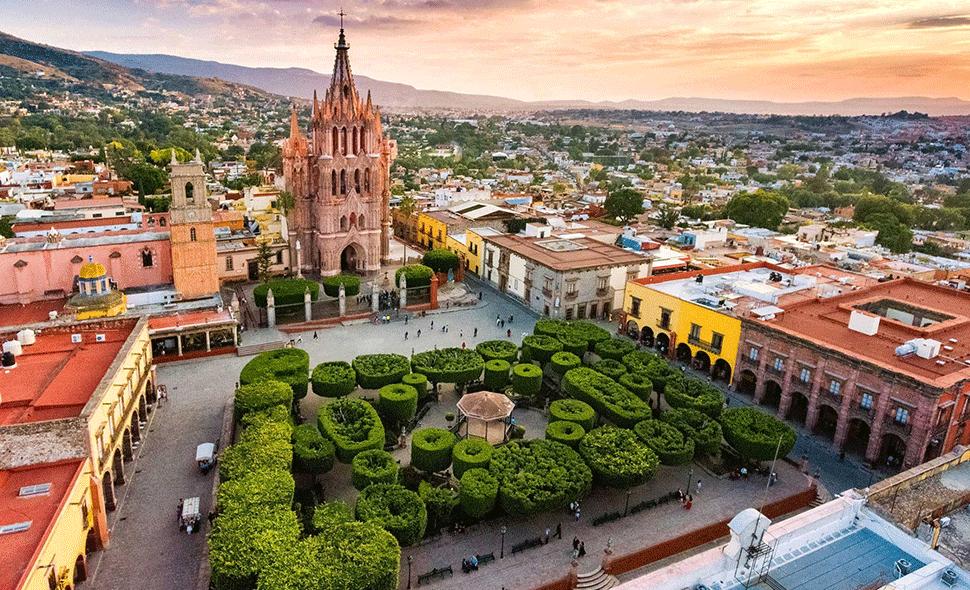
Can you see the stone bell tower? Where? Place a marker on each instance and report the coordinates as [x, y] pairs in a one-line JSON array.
[[193, 237]]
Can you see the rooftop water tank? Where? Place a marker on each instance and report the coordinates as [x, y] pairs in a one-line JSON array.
[[13, 347], [26, 337], [8, 360], [905, 349]]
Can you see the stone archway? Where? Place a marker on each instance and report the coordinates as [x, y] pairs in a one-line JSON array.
[[118, 467], [857, 437], [663, 343], [135, 429], [108, 491], [632, 330], [722, 371], [143, 408], [772, 395], [683, 353], [80, 569], [353, 258], [747, 382], [826, 422], [127, 449], [646, 336], [892, 451], [798, 410], [702, 361]]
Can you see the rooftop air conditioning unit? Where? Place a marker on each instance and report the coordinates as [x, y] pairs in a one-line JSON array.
[[13, 347], [26, 337], [927, 348]]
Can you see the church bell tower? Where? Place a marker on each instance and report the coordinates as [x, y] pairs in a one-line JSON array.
[[193, 237]]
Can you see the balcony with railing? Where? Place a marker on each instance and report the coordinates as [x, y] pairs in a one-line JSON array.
[[831, 395], [570, 295], [857, 410], [750, 361], [704, 344], [547, 292], [896, 427], [602, 291], [773, 370]]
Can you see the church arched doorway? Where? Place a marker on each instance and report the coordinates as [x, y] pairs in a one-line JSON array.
[[352, 259]]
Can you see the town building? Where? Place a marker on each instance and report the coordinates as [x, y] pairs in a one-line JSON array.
[[193, 238]]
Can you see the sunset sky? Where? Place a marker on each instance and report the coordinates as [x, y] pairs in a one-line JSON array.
[[783, 50]]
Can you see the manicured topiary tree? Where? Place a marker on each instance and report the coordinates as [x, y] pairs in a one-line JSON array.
[[288, 365], [614, 348], [696, 426], [373, 466], [756, 435], [541, 348], [638, 383], [653, 367], [417, 381], [549, 327], [611, 368], [312, 453], [351, 283], [278, 413], [431, 449], [587, 331], [572, 410], [395, 509], [670, 445], [449, 365], [471, 453], [333, 379], [568, 433], [243, 544], [610, 399], [329, 515], [440, 503], [418, 275], [563, 361], [398, 403], [573, 344], [374, 371], [352, 425], [271, 487], [695, 395], [261, 395], [286, 291], [498, 349], [526, 380], [441, 260], [496, 374], [617, 457], [477, 493], [538, 475], [263, 446]]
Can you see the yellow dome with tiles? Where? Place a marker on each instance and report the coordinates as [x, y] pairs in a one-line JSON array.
[[92, 270]]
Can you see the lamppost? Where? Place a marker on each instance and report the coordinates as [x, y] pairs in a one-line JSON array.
[[501, 553], [627, 507], [690, 477], [409, 571]]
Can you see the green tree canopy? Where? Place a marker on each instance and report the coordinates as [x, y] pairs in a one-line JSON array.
[[624, 204], [764, 209]]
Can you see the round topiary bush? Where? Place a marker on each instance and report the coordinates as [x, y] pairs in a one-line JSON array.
[[541, 348], [614, 348], [431, 449], [568, 433], [610, 399], [449, 365], [539, 475], [352, 425], [288, 365], [471, 453], [373, 466], [333, 379], [572, 410], [395, 509], [286, 291], [587, 331], [617, 457], [351, 283], [477, 492], [496, 374], [498, 349], [312, 453], [417, 381], [374, 371], [441, 260], [526, 380], [694, 394], [573, 344], [261, 395], [755, 435], [670, 445], [418, 275], [549, 327], [611, 368], [563, 361], [398, 402], [638, 383], [696, 426]]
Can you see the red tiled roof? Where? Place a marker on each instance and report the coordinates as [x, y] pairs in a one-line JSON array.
[[38, 311]]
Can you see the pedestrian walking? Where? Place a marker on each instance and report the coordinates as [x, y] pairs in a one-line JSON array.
[[559, 530], [698, 487], [432, 324], [419, 333], [546, 539], [405, 335], [479, 295], [502, 323], [405, 319], [300, 338], [582, 549], [577, 514], [510, 318], [463, 345], [475, 335], [315, 337], [508, 333], [842, 457], [461, 333], [572, 505], [680, 494], [498, 320], [688, 501], [575, 543]]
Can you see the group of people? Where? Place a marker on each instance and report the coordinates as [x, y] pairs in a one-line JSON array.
[[685, 498], [385, 300], [500, 322], [579, 548], [469, 564]]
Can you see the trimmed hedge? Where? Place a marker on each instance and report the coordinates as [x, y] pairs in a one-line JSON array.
[[563, 361], [268, 487], [431, 449], [573, 344], [498, 349], [670, 444], [373, 466], [617, 457], [471, 453], [417, 381], [312, 453], [496, 374], [333, 379], [572, 410], [526, 380], [477, 493], [539, 475], [374, 371], [541, 348], [637, 361], [440, 503], [395, 509], [352, 425], [614, 348], [694, 394], [262, 395], [289, 365], [330, 515], [441, 260], [418, 275], [610, 399], [264, 446], [638, 383], [449, 365], [568, 433], [654, 367], [755, 435], [244, 544], [587, 331], [285, 291], [278, 413], [549, 327], [696, 426], [331, 285], [398, 402], [611, 368]]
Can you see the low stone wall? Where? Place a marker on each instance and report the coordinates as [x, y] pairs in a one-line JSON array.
[[905, 479]]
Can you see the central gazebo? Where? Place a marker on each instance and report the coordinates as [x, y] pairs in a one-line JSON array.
[[486, 415]]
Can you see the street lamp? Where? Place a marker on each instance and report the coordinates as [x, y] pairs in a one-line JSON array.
[[690, 477], [409, 571], [501, 553], [627, 507]]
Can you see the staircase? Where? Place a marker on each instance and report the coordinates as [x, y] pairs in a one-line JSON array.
[[596, 580], [257, 348], [817, 501]]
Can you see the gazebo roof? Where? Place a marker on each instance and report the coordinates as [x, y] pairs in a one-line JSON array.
[[486, 405]]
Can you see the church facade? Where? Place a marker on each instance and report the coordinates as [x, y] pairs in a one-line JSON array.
[[339, 176]]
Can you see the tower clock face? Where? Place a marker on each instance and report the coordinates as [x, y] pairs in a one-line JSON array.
[[191, 214]]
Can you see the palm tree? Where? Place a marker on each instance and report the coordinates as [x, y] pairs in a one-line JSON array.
[[407, 206]]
